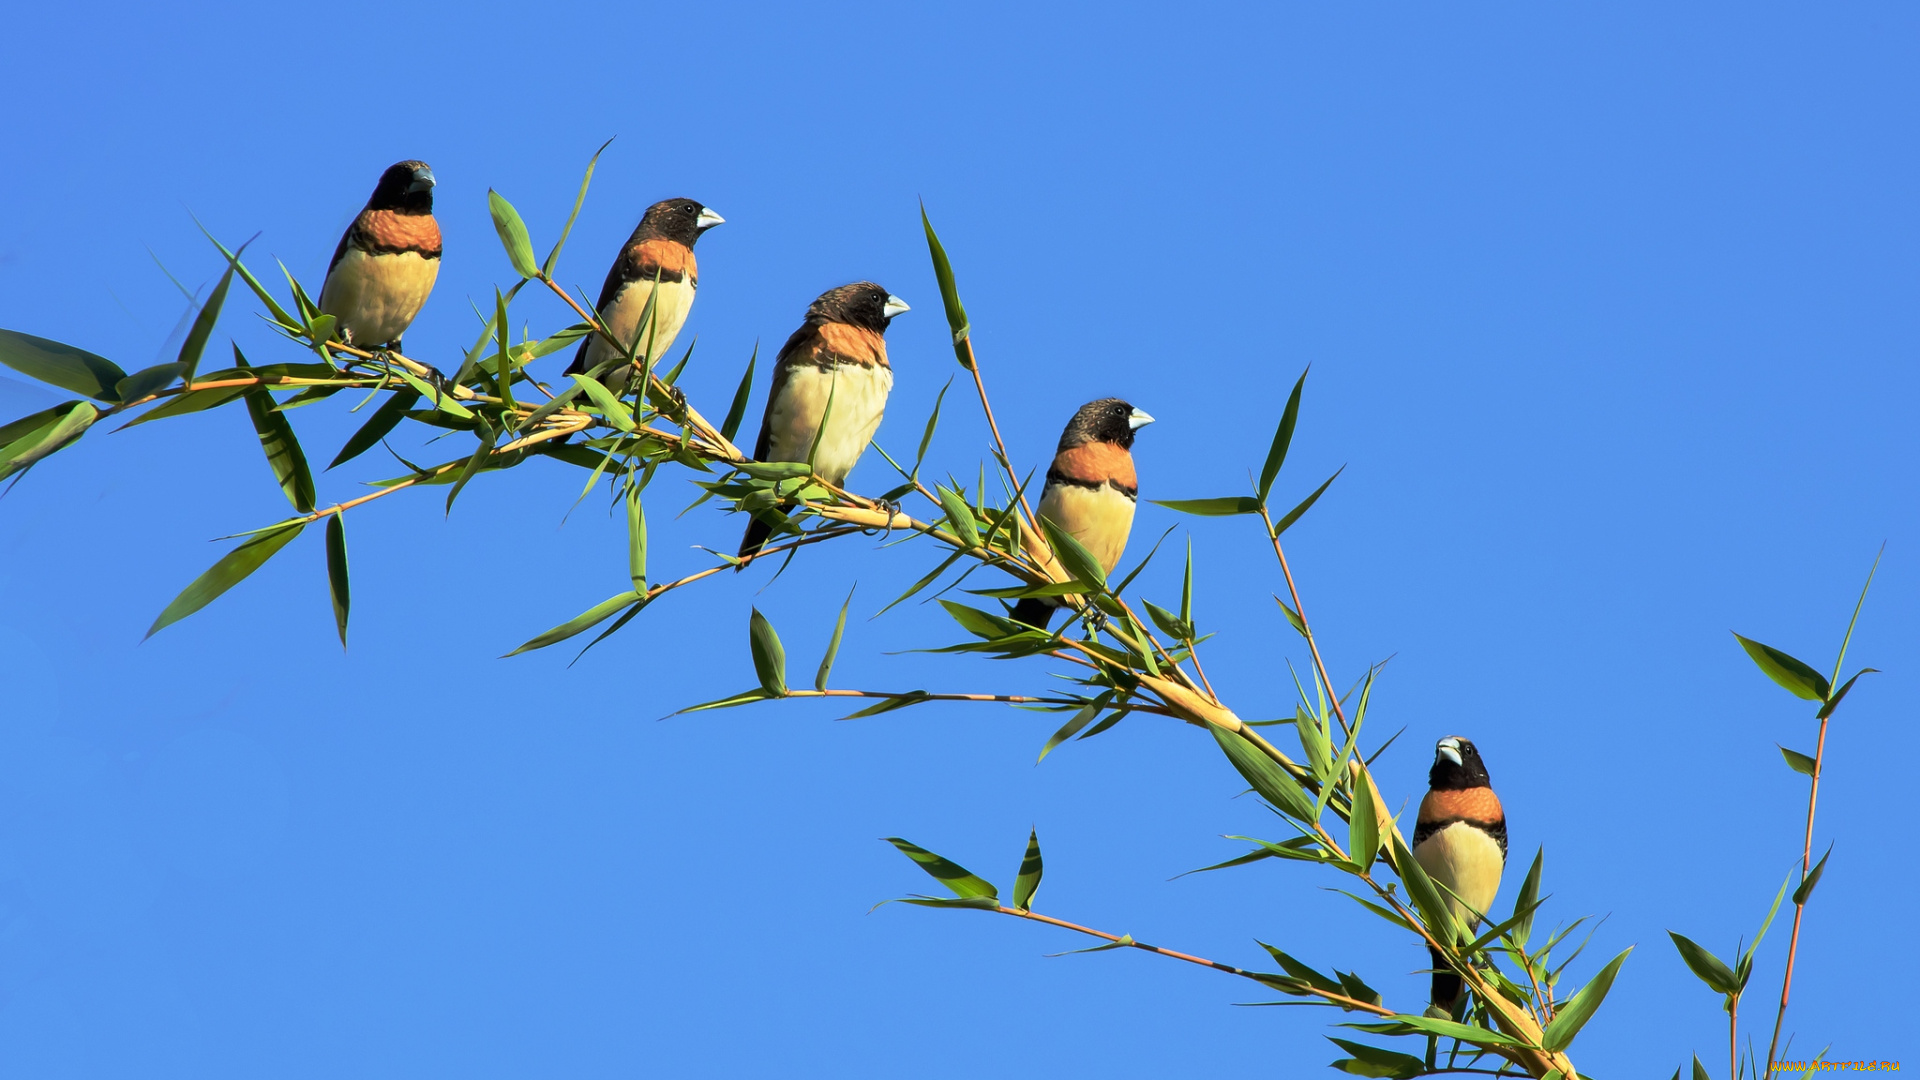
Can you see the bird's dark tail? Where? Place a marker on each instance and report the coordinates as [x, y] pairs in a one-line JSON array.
[[1446, 984], [756, 538], [1034, 612]]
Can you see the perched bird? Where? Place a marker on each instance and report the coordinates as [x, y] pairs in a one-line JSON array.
[[1091, 489], [385, 265], [661, 248], [839, 352], [1460, 840]]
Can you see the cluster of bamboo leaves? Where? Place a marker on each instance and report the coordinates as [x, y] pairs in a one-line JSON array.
[[1519, 1019], [1730, 980]]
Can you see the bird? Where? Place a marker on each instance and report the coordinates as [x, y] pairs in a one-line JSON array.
[[661, 248], [1091, 489], [386, 262], [1460, 840], [839, 352]]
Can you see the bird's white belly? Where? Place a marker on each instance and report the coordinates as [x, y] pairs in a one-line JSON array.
[[673, 304], [1466, 860], [376, 297], [859, 394], [1100, 518]]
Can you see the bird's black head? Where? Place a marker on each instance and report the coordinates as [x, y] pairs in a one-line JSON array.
[[1107, 420], [676, 219], [406, 187], [860, 304], [1457, 766]]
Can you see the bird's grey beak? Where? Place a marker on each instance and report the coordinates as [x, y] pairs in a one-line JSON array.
[[707, 220], [422, 181], [1137, 420], [1450, 749], [895, 306]]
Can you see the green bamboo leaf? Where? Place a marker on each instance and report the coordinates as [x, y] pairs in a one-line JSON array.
[[384, 420], [738, 410], [1074, 723], [1186, 586], [1375, 1061], [1699, 1070], [955, 877], [231, 569], [503, 378], [1528, 900], [1028, 882], [833, 645], [62, 365], [933, 421], [1273, 783], [553, 257], [775, 470], [1805, 892], [603, 399], [1424, 893], [587, 619], [887, 705], [1580, 1008], [1169, 623], [1839, 695], [280, 314], [1406, 1024], [769, 659], [1078, 561], [745, 697], [53, 429], [949, 292], [284, 456], [1800, 680], [1709, 968], [636, 537], [442, 401], [1363, 824], [1282, 438], [1293, 617], [197, 338], [1221, 507], [488, 438], [148, 381], [959, 515], [192, 401], [1135, 572], [513, 234], [922, 583], [337, 573], [1306, 504], [1797, 761]]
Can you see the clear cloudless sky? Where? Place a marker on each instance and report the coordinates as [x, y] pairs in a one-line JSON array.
[[1611, 317]]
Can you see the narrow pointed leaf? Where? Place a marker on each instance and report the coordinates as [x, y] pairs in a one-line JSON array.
[[1699, 1071], [337, 589], [1423, 892], [611, 407], [1805, 892], [1293, 617], [1709, 968], [1028, 882], [591, 617], [769, 659], [56, 428], [1580, 1008], [1363, 824], [231, 569], [148, 381], [636, 538], [1375, 1061], [1264, 775], [738, 410], [1799, 680], [833, 645], [1073, 555], [887, 705], [1833, 702], [955, 877], [513, 234], [1306, 504], [1078, 720], [196, 343], [1282, 438], [949, 291], [1221, 507], [1797, 761], [1186, 587], [933, 421], [488, 437], [553, 257], [442, 400], [1528, 900], [383, 421], [284, 456], [61, 364], [959, 515]]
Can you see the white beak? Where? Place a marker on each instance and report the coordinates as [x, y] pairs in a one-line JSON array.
[[1450, 748], [707, 220], [895, 306], [1137, 420]]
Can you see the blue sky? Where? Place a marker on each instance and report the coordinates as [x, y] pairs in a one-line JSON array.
[[1606, 308]]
